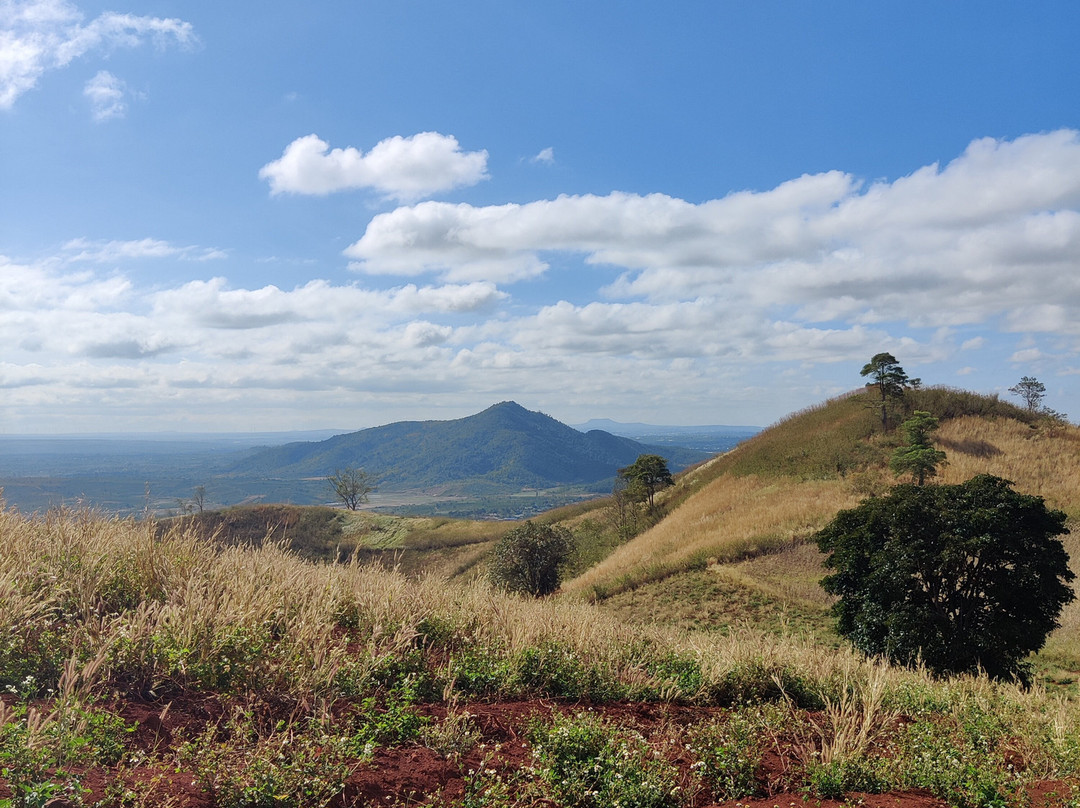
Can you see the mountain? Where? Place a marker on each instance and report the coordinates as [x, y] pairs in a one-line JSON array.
[[506, 447]]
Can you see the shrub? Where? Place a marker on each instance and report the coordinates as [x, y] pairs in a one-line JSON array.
[[529, 559], [587, 763]]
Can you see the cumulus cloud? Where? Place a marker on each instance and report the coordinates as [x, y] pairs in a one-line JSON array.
[[37, 36], [986, 235], [704, 302], [402, 168]]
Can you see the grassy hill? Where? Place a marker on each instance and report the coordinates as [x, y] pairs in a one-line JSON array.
[[142, 669], [738, 526]]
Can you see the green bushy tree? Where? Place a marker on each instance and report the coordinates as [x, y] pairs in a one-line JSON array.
[[964, 576], [917, 458], [529, 559], [645, 476]]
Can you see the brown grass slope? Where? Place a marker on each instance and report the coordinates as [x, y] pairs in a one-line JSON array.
[[768, 496]]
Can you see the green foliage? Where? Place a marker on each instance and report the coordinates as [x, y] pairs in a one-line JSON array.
[[889, 379], [554, 670], [729, 754], [478, 670], [223, 659], [391, 723], [958, 764], [962, 576], [681, 675], [33, 653], [834, 779], [917, 457], [586, 763], [36, 749], [529, 559], [645, 476], [289, 766]]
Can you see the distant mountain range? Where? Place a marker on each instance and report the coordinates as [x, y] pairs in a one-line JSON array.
[[504, 448], [635, 430]]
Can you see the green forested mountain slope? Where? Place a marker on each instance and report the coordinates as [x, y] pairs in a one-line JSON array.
[[505, 446]]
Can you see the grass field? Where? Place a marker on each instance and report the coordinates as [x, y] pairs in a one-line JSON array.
[[144, 669]]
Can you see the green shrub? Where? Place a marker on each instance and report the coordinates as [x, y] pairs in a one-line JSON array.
[[586, 763], [392, 723], [291, 765], [729, 754], [529, 559], [962, 577], [553, 670]]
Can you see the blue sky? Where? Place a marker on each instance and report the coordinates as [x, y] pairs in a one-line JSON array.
[[249, 216]]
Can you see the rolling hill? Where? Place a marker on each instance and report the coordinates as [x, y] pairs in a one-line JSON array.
[[504, 448]]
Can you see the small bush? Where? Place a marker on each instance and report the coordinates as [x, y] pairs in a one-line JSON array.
[[529, 559], [729, 754], [587, 763]]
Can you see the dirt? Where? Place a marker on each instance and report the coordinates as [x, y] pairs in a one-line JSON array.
[[413, 775]]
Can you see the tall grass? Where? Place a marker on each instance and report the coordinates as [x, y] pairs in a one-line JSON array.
[[93, 608]]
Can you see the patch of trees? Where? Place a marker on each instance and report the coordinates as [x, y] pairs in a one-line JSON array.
[[960, 577]]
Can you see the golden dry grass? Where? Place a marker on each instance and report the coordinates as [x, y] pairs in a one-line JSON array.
[[729, 519], [1041, 460]]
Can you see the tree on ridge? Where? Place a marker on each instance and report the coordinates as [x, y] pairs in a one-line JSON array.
[[918, 457], [890, 380], [645, 476], [1031, 390]]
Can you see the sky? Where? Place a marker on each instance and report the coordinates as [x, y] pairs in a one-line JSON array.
[[333, 215]]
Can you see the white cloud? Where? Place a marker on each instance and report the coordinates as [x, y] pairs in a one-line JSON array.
[[545, 156], [106, 95], [703, 303], [37, 36], [399, 167], [101, 252], [994, 233], [1026, 356]]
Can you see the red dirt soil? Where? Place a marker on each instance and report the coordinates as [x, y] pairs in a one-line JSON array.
[[414, 774]]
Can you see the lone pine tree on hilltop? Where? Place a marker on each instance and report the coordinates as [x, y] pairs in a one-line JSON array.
[[889, 379]]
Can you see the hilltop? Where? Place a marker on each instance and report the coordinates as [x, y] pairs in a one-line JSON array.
[[505, 448], [737, 528]]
